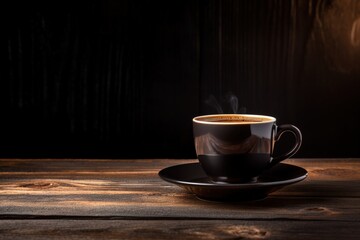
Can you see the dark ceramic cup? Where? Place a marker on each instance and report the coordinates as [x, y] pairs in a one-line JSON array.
[[236, 148]]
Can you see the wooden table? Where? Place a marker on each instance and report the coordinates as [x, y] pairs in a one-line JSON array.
[[125, 199]]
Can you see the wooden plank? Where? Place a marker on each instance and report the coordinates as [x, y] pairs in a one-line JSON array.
[[131, 188], [108, 165], [176, 205], [177, 229]]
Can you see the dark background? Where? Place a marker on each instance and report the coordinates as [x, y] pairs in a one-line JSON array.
[[123, 79]]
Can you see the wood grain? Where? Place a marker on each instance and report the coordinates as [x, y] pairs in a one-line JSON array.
[[99, 198], [39, 188], [176, 229]]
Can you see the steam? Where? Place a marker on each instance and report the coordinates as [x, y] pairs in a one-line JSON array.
[[214, 103], [232, 102]]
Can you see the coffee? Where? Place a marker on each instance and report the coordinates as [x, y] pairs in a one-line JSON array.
[[233, 118], [238, 147], [233, 121]]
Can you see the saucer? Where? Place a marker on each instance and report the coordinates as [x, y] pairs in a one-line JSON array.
[[191, 177]]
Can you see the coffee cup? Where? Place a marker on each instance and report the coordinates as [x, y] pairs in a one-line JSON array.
[[237, 148]]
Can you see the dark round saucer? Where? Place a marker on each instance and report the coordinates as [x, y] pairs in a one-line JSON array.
[[191, 177]]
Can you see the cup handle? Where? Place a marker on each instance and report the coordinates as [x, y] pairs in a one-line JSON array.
[[298, 140]]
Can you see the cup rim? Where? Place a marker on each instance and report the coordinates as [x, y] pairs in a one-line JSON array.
[[258, 119]]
